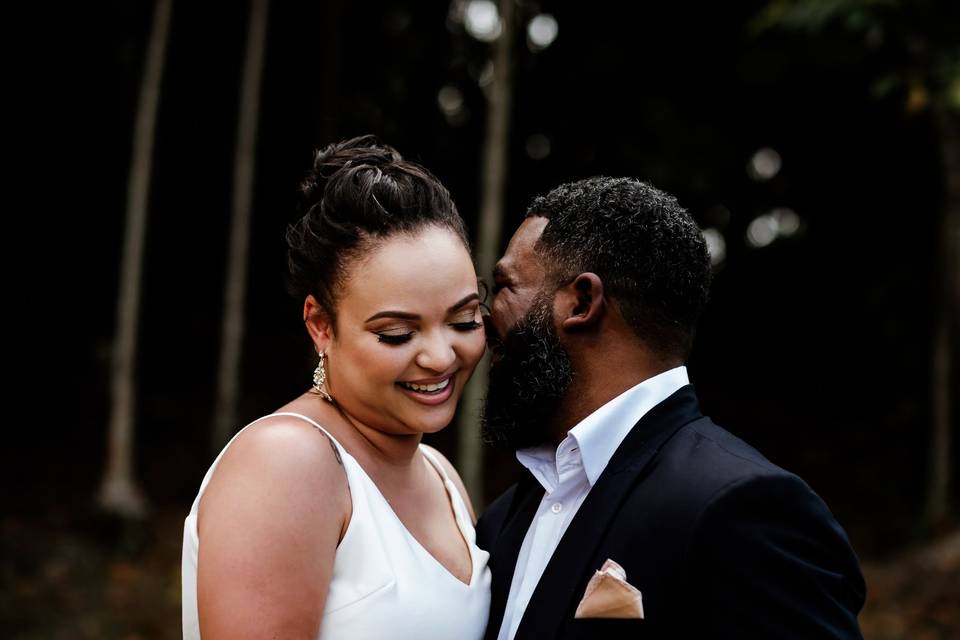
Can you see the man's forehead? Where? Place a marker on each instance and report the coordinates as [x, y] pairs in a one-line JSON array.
[[520, 252]]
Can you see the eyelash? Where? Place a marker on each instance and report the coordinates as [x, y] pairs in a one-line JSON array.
[[458, 326]]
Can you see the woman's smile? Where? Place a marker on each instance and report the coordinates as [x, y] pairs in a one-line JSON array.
[[432, 391]]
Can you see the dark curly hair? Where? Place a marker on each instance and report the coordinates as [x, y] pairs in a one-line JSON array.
[[643, 245], [359, 192]]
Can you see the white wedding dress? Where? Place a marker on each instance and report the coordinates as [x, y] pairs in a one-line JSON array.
[[385, 585]]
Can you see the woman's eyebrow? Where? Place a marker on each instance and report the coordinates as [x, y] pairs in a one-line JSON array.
[[466, 299], [405, 315]]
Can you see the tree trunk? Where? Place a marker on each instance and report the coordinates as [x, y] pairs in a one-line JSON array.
[[489, 230], [943, 378], [119, 492], [228, 387], [330, 35]]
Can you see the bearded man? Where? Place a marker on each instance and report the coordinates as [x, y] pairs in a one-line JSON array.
[[637, 516]]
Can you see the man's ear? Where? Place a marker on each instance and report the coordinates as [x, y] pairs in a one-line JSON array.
[[582, 303], [318, 324]]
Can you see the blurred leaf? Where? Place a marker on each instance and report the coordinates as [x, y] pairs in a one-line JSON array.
[[920, 58], [813, 16], [918, 98], [948, 72], [875, 36], [124, 573], [887, 84]]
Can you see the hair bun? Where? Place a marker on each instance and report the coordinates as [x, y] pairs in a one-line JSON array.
[[357, 192], [361, 152]]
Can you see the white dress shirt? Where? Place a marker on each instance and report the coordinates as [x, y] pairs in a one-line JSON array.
[[567, 473]]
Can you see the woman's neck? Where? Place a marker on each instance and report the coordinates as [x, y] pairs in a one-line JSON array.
[[395, 451]]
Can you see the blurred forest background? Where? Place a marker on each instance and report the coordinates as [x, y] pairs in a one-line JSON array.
[[816, 142]]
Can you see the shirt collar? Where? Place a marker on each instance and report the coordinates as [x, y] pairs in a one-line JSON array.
[[542, 463], [600, 434]]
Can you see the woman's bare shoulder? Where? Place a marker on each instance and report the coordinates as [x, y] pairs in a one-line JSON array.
[[284, 435], [283, 443], [284, 458], [273, 514]]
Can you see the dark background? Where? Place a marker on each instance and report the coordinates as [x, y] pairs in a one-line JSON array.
[[815, 349]]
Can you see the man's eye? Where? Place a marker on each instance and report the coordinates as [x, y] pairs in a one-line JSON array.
[[388, 338]]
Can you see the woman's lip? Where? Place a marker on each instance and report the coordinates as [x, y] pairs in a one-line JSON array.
[[430, 398], [425, 381]]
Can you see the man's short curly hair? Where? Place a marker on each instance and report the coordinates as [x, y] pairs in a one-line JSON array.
[[643, 245]]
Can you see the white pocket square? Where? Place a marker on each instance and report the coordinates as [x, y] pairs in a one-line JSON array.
[[609, 595]]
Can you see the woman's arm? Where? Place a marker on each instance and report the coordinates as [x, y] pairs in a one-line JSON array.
[[269, 523]]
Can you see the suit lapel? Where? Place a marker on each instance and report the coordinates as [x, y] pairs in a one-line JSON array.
[[565, 576], [503, 560]]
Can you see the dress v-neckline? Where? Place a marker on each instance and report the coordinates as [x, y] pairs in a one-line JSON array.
[[452, 496], [457, 517]]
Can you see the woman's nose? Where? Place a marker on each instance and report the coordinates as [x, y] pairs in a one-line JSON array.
[[436, 354]]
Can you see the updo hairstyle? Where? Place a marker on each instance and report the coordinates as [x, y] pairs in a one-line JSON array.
[[358, 193]]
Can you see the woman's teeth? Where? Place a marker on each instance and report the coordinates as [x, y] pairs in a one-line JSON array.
[[426, 388]]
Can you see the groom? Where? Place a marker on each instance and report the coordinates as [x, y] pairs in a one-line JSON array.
[[637, 516]]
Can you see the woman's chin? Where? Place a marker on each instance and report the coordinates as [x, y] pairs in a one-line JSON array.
[[436, 421]]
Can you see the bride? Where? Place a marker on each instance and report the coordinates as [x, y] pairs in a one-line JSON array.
[[329, 518]]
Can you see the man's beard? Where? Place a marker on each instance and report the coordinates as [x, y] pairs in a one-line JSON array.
[[528, 380]]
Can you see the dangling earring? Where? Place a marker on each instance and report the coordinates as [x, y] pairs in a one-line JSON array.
[[319, 378]]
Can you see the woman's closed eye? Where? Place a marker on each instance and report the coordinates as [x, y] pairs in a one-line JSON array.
[[394, 338], [472, 325], [400, 338]]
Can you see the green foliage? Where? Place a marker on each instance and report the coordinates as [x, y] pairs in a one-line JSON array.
[[814, 16], [918, 52]]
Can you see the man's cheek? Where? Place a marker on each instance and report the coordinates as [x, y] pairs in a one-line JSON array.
[[500, 317]]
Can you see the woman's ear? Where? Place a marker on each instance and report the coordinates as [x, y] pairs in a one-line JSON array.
[[318, 324], [582, 303]]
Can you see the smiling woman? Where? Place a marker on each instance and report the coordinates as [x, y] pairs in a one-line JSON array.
[[329, 518], [410, 319]]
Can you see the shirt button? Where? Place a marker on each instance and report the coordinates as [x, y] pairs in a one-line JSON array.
[[557, 507]]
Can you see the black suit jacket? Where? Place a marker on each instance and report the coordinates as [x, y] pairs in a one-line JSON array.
[[721, 543]]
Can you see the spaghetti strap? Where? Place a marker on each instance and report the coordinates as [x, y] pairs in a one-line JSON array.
[[337, 446], [457, 499], [435, 463]]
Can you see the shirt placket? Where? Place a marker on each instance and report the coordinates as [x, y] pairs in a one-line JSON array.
[[550, 524]]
